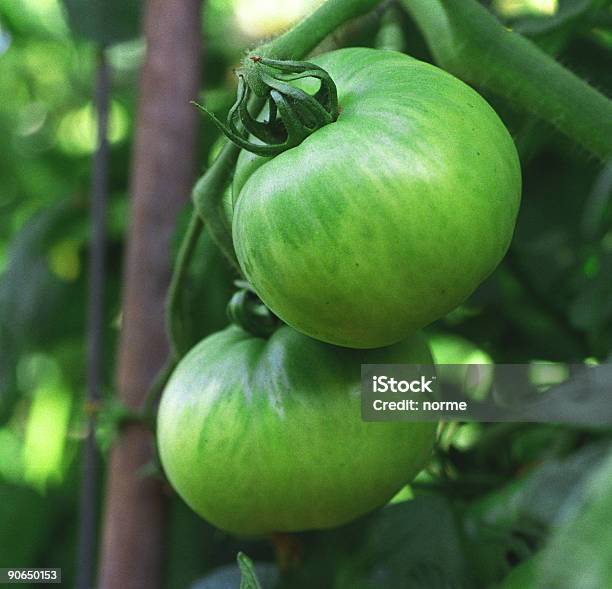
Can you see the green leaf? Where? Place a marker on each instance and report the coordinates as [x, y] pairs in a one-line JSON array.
[[249, 578], [207, 291], [591, 310], [200, 290], [244, 575], [37, 283], [539, 497], [510, 523], [25, 522], [412, 545], [37, 287], [597, 210], [578, 554], [583, 400], [104, 21]]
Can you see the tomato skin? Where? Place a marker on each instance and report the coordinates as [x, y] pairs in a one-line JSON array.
[[266, 435], [387, 219]]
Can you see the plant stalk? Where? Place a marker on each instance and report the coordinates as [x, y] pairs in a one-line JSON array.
[[468, 41], [174, 315], [304, 36]]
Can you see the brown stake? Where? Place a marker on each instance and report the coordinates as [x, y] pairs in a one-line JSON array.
[[162, 175]]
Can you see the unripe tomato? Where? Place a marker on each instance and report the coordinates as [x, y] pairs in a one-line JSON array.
[[263, 435], [387, 219]]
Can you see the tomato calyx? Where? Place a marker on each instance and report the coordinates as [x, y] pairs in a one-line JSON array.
[[246, 310], [293, 113]]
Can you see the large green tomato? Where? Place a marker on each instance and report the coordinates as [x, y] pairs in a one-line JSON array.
[[262, 435], [390, 217]]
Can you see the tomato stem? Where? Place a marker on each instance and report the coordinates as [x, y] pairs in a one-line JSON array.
[[293, 114], [207, 198], [246, 310], [174, 315], [305, 35]]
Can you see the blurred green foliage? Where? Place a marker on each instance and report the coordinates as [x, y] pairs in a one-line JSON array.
[[519, 505]]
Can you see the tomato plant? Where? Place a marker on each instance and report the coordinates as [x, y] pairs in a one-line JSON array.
[[261, 435], [383, 221]]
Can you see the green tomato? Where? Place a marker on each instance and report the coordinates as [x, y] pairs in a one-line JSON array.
[[262, 435], [385, 220]]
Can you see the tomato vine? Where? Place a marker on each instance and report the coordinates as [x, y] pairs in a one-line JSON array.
[[469, 42]]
